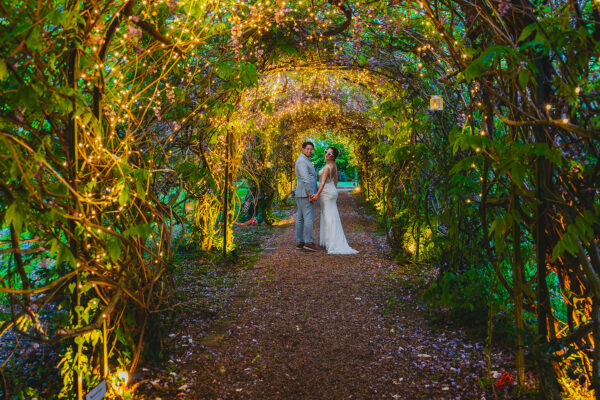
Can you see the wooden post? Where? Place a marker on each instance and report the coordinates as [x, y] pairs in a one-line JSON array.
[[226, 193], [72, 170], [104, 350], [518, 282], [418, 238], [78, 375]]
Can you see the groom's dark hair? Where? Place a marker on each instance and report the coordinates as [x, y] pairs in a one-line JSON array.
[[308, 144]]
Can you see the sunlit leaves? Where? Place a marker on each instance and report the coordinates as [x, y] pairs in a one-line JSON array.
[[238, 76], [226, 71], [16, 215], [124, 194], [143, 231], [62, 251], [3, 71], [490, 56], [248, 75], [582, 230], [113, 247]]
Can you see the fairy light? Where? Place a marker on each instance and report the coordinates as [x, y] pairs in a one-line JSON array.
[[122, 114]]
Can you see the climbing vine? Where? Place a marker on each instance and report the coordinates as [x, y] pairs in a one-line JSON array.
[[126, 129]]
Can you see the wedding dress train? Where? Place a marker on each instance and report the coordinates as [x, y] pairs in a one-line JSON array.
[[331, 233]]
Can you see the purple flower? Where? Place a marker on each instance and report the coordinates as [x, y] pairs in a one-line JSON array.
[[134, 32], [504, 7], [19, 115]]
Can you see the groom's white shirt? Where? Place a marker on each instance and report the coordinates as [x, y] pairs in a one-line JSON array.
[[306, 177]]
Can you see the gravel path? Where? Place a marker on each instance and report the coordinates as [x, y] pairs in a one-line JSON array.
[[312, 326]]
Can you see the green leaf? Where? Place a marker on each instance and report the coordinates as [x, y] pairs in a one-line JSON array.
[[265, 106], [123, 337], [140, 187], [124, 195], [518, 173], [523, 78], [143, 231], [95, 336], [15, 215], [113, 248], [141, 179], [65, 255], [3, 71], [462, 165], [529, 29], [15, 31], [249, 75], [26, 97], [33, 40], [225, 71], [223, 108], [58, 188], [390, 108], [58, 17], [498, 226], [287, 46]]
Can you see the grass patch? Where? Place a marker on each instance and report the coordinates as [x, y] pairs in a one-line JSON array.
[[346, 184]]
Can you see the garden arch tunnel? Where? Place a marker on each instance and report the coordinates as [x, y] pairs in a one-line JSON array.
[[288, 104], [117, 114]]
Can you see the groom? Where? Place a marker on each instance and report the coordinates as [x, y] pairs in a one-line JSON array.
[[307, 186]]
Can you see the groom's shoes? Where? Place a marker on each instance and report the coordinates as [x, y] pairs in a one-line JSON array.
[[310, 247], [299, 246]]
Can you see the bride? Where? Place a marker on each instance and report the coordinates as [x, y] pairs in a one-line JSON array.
[[331, 234]]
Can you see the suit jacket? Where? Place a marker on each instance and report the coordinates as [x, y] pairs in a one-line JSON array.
[[306, 177]]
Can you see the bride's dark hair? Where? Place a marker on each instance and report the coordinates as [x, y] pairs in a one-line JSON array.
[[334, 151]]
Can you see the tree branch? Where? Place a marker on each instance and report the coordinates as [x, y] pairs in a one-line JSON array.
[[347, 12]]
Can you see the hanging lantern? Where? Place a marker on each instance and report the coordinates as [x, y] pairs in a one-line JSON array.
[[436, 103], [189, 206]]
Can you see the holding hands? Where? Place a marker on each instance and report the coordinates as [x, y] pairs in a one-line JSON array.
[[313, 197]]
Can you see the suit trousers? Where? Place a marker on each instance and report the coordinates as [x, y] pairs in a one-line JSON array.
[[304, 220]]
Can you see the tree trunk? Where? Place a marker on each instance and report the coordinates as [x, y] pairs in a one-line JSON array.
[[549, 385], [518, 281]]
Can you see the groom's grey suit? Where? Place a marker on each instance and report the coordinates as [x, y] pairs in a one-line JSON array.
[[307, 186]]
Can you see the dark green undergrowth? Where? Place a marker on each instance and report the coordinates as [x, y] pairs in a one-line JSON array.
[[448, 294]]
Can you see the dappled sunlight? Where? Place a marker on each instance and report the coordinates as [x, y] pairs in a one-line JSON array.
[[286, 221]]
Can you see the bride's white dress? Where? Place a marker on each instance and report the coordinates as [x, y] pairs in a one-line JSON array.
[[332, 234]]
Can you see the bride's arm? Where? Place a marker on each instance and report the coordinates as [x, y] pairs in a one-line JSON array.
[[323, 179]]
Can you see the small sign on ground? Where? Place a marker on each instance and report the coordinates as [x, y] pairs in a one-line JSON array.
[[97, 393]]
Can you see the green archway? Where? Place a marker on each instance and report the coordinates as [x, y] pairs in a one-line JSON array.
[[124, 122]]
